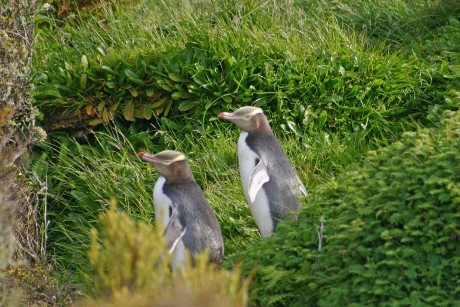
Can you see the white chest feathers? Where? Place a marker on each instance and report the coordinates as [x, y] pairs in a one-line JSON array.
[[162, 203], [252, 179], [163, 207]]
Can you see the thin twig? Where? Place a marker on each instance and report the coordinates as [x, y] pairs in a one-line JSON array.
[[320, 231]]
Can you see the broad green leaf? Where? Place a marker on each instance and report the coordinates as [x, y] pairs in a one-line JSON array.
[[322, 118], [101, 107], [147, 112], [83, 80], [138, 113], [167, 108], [227, 98], [110, 84], [95, 122], [174, 77], [134, 77], [177, 95], [105, 116], [113, 108], [48, 91], [128, 111], [108, 69], [188, 105], [159, 103], [179, 88], [166, 88], [376, 82]]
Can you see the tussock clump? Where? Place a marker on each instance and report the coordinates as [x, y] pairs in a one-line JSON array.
[[125, 255], [131, 268]]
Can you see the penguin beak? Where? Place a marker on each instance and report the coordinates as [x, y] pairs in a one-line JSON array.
[[147, 157], [227, 116]]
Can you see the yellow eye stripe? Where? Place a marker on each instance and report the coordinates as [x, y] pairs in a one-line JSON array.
[[244, 111], [178, 158], [170, 156], [256, 111]]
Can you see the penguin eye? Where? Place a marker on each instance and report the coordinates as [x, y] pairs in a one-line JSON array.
[[167, 162], [247, 116]]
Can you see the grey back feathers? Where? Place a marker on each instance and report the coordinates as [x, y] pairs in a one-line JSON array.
[[284, 188], [196, 215], [270, 182], [192, 222]]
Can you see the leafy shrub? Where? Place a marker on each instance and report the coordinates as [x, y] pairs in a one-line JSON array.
[[326, 77], [391, 235], [131, 268], [126, 255]]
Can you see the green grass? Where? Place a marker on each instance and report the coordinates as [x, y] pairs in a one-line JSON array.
[[82, 178], [401, 24], [310, 69], [336, 79]]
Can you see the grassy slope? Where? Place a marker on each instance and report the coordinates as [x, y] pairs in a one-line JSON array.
[[304, 69], [301, 38]]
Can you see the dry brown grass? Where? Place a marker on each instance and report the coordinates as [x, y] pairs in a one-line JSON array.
[[24, 278]]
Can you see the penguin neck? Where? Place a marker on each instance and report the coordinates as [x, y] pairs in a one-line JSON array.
[[260, 125], [181, 172]]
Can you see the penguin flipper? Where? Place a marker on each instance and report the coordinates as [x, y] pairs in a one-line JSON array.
[[174, 231], [259, 176], [303, 190]]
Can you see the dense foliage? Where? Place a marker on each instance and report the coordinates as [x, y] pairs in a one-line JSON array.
[[336, 79], [391, 232], [327, 77]]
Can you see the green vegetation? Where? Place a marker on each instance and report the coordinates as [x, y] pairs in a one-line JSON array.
[[188, 58], [131, 268], [391, 232], [84, 177], [335, 78]]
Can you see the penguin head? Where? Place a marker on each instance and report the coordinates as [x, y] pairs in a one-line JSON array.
[[247, 118], [169, 163]]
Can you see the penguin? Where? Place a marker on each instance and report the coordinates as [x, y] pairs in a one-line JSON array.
[[272, 188], [189, 221]]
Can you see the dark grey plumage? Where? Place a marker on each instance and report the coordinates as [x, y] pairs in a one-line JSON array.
[[192, 222], [283, 205], [196, 214], [272, 188]]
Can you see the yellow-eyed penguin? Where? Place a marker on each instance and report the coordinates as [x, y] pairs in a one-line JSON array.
[[181, 206], [271, 186]]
